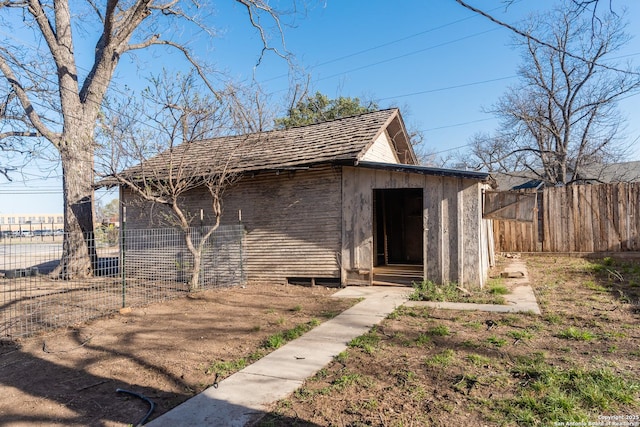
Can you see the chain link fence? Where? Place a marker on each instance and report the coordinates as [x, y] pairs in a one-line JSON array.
[[134, 268]]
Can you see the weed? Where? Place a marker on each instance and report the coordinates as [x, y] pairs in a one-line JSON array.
[[478, 360], [474, 325], [297, 308], [498, 290], [572, 333], [590, 284], [346, 380], [277, 340], [366, 342], [442, 359], [439, 331], [274, 341], [225, 369], [342, 357], [520, 335], [553, 318], [422, 340], [498, 342], [429, 291]]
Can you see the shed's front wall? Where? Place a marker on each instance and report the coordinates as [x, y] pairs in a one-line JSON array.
[[292, 221], [453, 237]]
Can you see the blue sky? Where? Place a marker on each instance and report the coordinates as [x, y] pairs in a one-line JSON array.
[[440, 63]]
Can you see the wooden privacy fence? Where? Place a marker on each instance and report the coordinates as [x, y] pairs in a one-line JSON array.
[[575, 218]]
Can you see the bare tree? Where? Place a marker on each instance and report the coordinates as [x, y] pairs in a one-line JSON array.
[[161, 154], [562, 117], [45, 96]]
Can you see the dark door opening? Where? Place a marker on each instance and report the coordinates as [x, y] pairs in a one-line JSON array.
[[398, 232]]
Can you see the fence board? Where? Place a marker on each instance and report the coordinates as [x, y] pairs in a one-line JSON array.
[[578, 218]]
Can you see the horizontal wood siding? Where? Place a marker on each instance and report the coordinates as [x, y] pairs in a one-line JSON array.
[[292, 221], [578, 218], [451, 219]]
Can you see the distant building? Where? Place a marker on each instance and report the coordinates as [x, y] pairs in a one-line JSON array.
[[31, 222]]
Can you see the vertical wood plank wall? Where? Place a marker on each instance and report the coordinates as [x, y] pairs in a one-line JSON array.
[[453, 228], [578, 218]]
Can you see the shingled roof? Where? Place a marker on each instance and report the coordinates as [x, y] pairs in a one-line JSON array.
[[342, 141]]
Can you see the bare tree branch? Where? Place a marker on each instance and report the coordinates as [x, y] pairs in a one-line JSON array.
[[529, 36]]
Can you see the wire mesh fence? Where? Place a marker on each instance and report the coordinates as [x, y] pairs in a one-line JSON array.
[[133, 268]]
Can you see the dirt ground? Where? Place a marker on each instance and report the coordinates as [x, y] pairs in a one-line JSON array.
[[420, 367], [577, 362], [163, 351]]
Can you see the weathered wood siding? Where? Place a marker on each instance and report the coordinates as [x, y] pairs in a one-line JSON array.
[[292, 221], [578, 218], [455, 237]]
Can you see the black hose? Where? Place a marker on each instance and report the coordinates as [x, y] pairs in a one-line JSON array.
[[152, 405]]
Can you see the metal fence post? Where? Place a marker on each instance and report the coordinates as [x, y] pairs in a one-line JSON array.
[[122, 256]]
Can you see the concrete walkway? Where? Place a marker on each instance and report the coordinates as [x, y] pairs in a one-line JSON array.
[[241, 397]]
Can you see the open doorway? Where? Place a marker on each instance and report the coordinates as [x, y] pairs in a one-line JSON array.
[[398, 226]]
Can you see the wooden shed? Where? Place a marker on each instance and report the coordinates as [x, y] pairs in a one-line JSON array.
[[344, 202]]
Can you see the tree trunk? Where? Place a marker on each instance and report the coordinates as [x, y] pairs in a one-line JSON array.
[[79, 257]]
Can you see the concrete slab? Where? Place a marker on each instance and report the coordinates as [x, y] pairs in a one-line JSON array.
[[520, 300]]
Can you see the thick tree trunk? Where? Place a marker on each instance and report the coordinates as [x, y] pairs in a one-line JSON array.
[[79, 258]]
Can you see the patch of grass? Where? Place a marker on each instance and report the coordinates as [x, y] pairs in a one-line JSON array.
[[553, 318], [342, 357], [575, 334], [429, 291], [297, 308], [497, 342], [520, 335], [478, 360], [590, 284], [366, 342], [346, 380], [439, 331], [474, 325], [497, 289], [422, 340], [442, 359], [226, 368], [552, 394], [278, 340]]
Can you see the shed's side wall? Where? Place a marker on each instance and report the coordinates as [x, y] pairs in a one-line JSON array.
[[454, 239], [292, 219]]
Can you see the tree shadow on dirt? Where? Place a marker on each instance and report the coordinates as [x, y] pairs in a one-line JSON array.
[[57, 394]]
